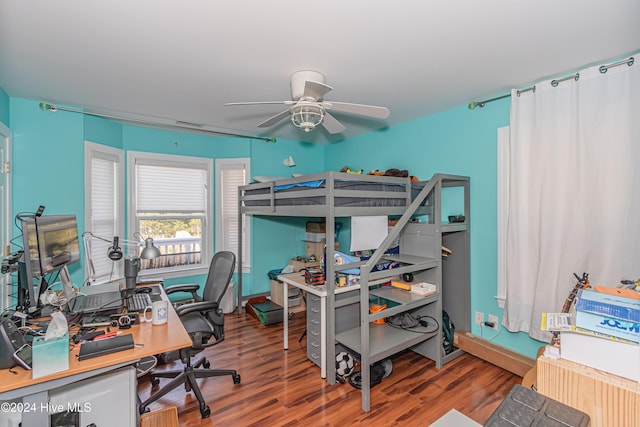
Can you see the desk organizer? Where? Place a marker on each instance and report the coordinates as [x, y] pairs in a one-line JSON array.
[[524, 407], [50, 356]]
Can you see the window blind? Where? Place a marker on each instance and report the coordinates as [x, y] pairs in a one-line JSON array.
[[231, 175], [163, 189], [104, 207]]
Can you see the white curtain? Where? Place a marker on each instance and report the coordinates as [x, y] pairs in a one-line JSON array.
[[574, 191]]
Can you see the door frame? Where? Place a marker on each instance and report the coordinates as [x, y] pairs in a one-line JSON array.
[[5, 212]]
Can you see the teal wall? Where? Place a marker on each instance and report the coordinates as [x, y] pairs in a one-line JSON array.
[[4, 107], [461, 142], [47, 163], [48, 170]]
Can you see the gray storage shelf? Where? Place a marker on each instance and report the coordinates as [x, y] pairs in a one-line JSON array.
[[384, 340], [421, 254]]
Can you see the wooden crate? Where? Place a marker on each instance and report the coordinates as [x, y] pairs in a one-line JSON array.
[[167, 417]]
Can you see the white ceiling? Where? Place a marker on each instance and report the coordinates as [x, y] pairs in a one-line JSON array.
[[182, 60]]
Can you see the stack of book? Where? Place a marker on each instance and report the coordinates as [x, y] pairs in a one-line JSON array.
[[605, 335]]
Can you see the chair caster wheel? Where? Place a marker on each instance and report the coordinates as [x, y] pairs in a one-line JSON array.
[[187, 388], [205, 411], [155, 382], [206, 364], [236, 379]]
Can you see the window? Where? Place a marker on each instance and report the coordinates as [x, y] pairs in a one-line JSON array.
[[104, 209], [170, 201], [230, 174]]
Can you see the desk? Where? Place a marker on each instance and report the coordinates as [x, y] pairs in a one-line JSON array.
[[297, 280], [155, 340]]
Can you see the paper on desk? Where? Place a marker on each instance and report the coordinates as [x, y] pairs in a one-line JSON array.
[[367, 232], [58, 326]]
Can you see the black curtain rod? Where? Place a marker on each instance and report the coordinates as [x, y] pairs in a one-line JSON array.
[[603, 69], [179, 124]]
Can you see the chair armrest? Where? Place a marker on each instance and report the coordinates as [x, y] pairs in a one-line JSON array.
[[189, 288], [199, 306]]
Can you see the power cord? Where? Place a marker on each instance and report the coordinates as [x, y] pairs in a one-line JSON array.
[[422, 324], [489, 325]]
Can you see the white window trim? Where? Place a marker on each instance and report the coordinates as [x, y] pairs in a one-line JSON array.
[[207, 232], [246, 260], [6, 226], [117, 155], [503, 212]]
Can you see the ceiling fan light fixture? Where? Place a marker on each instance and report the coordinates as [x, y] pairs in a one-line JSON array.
[[307, 117]]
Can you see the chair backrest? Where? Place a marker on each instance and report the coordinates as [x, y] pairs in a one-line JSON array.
[[220, 271]]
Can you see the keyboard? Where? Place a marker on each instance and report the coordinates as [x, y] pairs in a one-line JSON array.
[[138, 302], [94, 300]]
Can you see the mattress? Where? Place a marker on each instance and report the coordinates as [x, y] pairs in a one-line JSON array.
[[339, 201]]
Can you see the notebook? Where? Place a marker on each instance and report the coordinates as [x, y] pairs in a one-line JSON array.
[[97, 299]]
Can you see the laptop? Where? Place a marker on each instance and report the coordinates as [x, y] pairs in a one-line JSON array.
[[97, 299]]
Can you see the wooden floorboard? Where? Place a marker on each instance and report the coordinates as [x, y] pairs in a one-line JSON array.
[[283, 388]]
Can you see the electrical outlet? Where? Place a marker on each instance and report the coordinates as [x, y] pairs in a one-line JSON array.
[[479, 318], [494, 319]]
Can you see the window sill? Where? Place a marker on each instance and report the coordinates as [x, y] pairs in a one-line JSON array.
[[173, 273]]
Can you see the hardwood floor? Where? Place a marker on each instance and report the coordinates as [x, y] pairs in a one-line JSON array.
[[283, 388]]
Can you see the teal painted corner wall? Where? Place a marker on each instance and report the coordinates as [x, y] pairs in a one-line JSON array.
[[47, 163], [460, 142], [4, 108]]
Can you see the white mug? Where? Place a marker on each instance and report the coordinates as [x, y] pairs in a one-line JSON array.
[[159, 313]]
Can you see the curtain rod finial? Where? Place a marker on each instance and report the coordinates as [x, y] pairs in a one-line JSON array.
[[46, 107]]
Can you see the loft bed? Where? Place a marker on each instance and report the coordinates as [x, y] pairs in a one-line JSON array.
[[334, 194], [331, 195]]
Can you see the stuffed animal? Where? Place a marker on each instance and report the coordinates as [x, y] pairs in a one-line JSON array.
[[346, 169]]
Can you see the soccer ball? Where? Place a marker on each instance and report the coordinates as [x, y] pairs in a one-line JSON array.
[[344, 364]]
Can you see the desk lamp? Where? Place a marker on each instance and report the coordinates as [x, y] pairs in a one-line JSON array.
[[115, 253], [132, 263]]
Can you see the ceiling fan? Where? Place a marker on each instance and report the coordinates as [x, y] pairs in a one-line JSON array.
[[307, 108]]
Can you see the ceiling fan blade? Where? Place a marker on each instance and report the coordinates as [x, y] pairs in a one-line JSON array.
[[260, 102], [273, 120], [361, 109], [332, 125], [315, 90]]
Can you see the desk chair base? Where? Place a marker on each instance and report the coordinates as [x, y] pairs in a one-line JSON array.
[[188, 377]]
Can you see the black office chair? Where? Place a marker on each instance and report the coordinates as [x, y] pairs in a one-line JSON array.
[[204, 321]]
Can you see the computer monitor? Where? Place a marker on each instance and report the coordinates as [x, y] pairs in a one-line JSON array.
[[50, 244]]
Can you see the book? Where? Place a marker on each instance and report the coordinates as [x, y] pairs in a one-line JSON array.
[[583, 331], [608, 326], [554, 322], [612, 306]]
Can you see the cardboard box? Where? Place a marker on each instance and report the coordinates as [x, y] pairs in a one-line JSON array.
[[317, 249], [608, 326], [611, 356], [316, 227], [49, 357], [315, 237], [299, 265], [608, 305]]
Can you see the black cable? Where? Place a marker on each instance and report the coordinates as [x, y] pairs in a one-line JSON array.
[[413, 329]]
